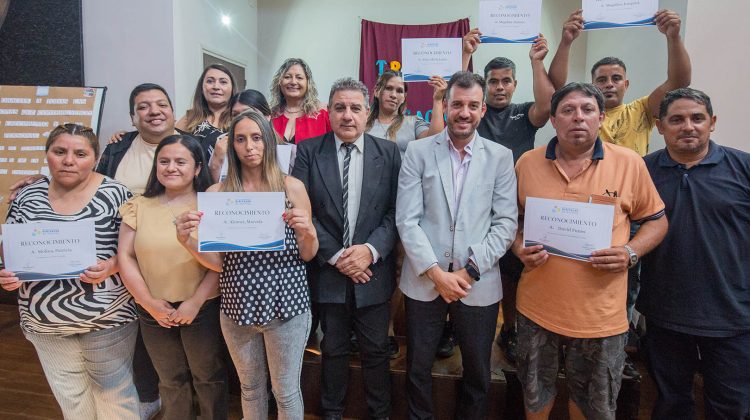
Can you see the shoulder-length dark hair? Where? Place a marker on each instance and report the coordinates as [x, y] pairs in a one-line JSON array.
[[199, 111], [375, 107], [201, 181]]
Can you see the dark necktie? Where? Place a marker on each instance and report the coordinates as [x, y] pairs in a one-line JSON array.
[[345, 186]]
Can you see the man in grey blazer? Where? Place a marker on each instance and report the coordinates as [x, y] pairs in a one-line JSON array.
[[456, 213], [352, 179]]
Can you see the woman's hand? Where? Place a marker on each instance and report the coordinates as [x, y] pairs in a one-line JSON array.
[[9, 281], [15, 188], [439, 85], [299, 220], [161, 311], [186, 312], [220, 149], [99, 272], [186, 223]]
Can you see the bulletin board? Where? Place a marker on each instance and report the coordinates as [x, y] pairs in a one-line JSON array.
[[27, 115]]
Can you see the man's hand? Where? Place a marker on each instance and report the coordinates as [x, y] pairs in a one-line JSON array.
[[572, 27], [668, 22], [539, 49], [471, 41], [15, 188], [614, 260], [355, 259], [117, 137], [451, 286], [532, 256]]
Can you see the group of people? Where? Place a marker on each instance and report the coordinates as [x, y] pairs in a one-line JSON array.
[[372, 189]]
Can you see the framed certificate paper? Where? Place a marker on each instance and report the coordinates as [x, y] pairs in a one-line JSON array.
[[425, 57], [49, 250], [241, 221], [603, 14], [567, 229], [510, 21]]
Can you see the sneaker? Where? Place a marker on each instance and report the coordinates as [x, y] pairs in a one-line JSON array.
[[150, 409], [629, 371], [393, 349], [508, 340]]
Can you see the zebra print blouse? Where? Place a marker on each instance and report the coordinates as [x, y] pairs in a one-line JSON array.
[[65, 307]]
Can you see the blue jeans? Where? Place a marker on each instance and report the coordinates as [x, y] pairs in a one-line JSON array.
[[674, 358], [187, 357], [91, 374], [278, 348]]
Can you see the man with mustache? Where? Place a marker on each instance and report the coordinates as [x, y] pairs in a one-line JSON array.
[[696, 284], [579, 304]]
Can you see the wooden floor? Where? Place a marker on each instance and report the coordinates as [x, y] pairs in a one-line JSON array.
[[24, 393]]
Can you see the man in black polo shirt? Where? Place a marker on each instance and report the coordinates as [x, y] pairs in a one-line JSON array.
[[695, 290], [514, 126]]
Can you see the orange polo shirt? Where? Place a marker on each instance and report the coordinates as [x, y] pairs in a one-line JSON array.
[[570, 297]]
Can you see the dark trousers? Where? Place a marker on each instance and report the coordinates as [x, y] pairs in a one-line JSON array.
[[474, 330], [144, 375], [187, 357], [674, 358], [370, 324]]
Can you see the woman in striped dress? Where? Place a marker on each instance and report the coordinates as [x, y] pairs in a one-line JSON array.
[[83, 328]]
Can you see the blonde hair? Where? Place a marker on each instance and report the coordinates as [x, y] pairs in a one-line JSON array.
[[310, 103], [271, 175]]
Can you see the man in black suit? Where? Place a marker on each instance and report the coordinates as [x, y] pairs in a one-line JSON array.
[[352, 179]]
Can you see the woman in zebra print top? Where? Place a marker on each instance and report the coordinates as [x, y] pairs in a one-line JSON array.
[[82, 328]]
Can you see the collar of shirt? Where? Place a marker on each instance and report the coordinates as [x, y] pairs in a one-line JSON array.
[[456, 154], [552, 155], [359, 143], [713, 157]]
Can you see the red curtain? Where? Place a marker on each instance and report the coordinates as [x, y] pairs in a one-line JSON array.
[[381, 45]]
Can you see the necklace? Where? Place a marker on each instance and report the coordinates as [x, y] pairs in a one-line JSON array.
[[169, 203], [293, 112]]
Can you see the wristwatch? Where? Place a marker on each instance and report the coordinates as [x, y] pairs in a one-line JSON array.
[[472, 270], [632, 256]]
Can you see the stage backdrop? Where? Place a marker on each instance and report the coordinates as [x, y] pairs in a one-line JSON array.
[[381, 51]]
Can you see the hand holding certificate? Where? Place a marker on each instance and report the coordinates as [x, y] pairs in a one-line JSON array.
[[567, 228], [603, 14], [510, 21], [425, 57], [241, 221], [51, 250]]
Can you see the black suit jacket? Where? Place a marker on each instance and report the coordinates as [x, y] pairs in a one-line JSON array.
[[316, 165]]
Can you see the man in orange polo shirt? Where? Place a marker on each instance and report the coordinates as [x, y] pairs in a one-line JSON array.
[[581, 304]]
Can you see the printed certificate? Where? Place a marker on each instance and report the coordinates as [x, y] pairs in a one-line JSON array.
[[241, 221], [567, 229], [425, 57], [603, 14], [510, 21], [49, 250]]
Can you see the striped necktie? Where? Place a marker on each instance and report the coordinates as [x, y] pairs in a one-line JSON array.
[[345, 187]]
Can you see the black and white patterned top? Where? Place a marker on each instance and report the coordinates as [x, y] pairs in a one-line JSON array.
[[65, 307], [207, 134], [258, 287]]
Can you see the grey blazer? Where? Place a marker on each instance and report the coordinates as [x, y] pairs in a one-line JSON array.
[[485, 221]]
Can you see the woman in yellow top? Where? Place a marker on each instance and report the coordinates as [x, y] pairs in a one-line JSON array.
[[178, 299]]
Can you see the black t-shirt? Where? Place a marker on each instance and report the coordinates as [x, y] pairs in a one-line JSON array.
[[509, 127]]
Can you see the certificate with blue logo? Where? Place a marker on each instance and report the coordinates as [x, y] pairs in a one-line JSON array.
[[510, 21], [603, 14], [241, 221], [567, 229], [425, 57], [49, 250]]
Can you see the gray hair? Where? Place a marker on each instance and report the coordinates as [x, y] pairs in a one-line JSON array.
[[348, 83]]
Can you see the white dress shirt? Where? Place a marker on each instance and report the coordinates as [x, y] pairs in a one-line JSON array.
[[356, 168]]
